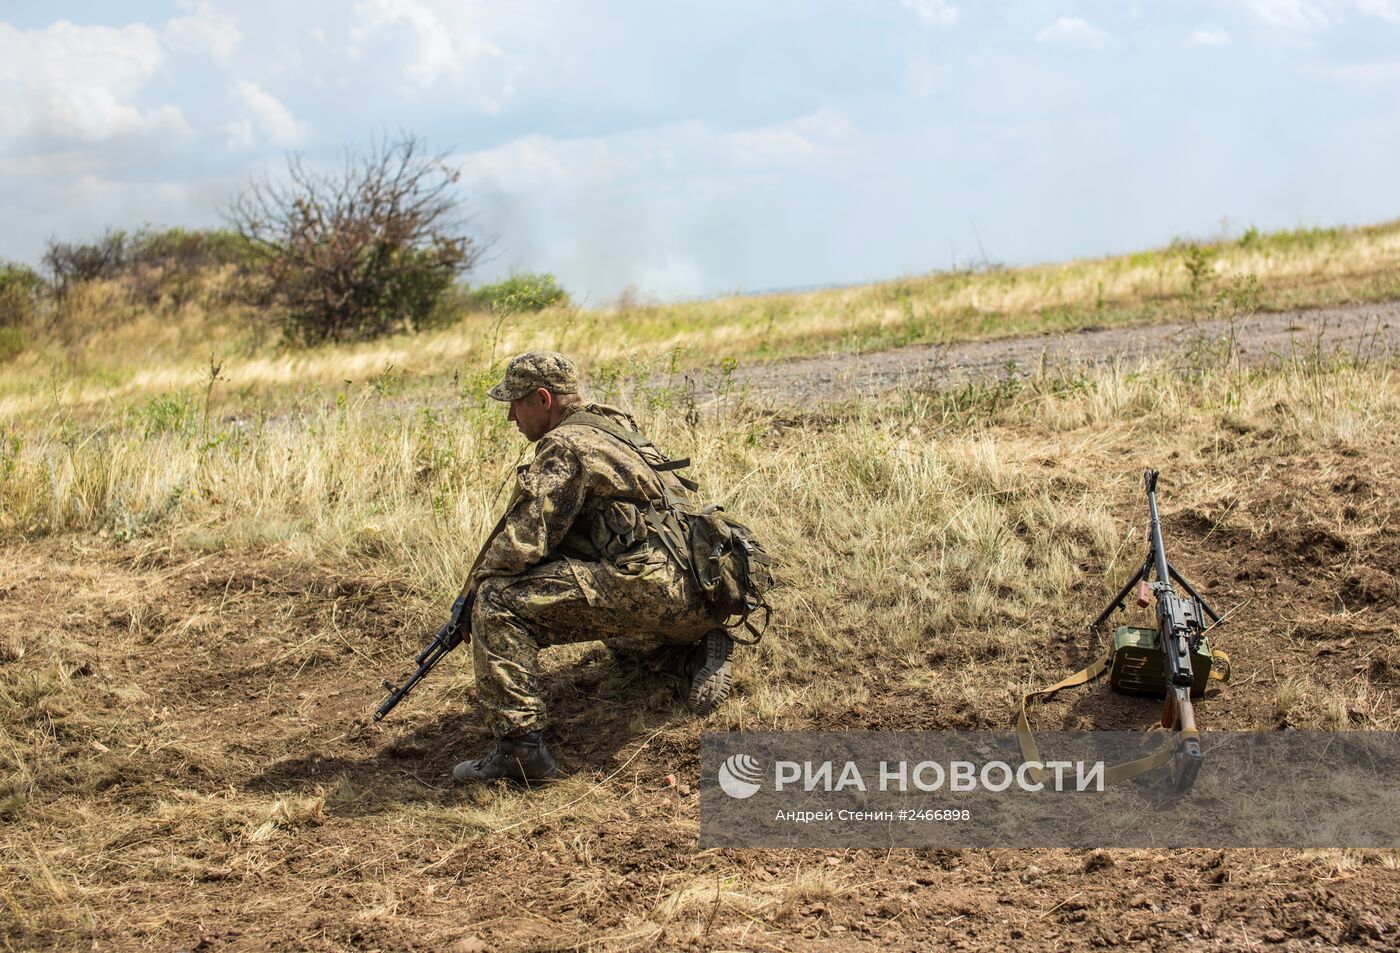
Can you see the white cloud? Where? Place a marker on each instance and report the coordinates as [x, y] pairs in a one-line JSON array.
[[1073, 31], [639, 207], [74, 84], [439, 49], [536, 162], [768, 147], [208, 32], [68, 165], [1299, 16], [827, 123], [239, 134], [73, 198], [787, 143], [1216, 37], [266, 114], [1307, 16], [1385, 9], [934, 13]]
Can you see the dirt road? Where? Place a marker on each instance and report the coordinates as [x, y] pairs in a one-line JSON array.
[[1369, 330]]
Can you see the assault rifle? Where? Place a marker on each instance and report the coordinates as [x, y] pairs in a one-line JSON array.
[[1181, 626], [448, 638], [452, 634]]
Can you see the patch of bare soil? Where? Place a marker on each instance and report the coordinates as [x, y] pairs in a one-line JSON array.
[[1368, 331], [203, 774]]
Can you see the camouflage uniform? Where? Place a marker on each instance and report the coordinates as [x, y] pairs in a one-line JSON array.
[[574, 562]]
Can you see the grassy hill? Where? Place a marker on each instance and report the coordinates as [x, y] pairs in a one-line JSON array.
[[113, 345], [205, 575]]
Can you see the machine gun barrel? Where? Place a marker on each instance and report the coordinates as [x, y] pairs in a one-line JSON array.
[[1177, 618], [1159, 551]]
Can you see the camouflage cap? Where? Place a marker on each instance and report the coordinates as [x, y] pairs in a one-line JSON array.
[[534, 369]]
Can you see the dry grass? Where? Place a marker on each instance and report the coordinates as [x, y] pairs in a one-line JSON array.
[[195, 607], [249, 582], [111, 350]]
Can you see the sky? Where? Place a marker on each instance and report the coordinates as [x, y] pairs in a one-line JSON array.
[[692, 149]]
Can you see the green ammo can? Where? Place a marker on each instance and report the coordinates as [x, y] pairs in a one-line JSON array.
[[1136, 663]]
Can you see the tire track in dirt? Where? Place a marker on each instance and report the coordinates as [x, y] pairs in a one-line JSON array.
[[1366, 331]]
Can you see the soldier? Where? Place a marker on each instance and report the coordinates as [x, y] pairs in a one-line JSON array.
[[574, 560]]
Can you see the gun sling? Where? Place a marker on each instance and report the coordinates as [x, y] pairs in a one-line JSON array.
[[1118, 772]]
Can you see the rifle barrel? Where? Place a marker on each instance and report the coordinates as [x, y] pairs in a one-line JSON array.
[[429, 657]]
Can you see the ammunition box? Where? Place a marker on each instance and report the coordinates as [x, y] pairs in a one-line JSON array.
[[1136, 664]]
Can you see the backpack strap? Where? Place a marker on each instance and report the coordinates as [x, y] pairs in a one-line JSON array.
[[656, 512], [635, 440]]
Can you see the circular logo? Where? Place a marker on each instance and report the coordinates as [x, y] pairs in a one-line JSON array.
[[740, 776]]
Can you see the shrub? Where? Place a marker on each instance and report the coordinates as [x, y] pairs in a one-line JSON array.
[[21, 291], [173, 264], [1199, 264], [189, 249], [168, 413], [71, 262], [157, 264], [529, 291], [12, 344], [364, 251]]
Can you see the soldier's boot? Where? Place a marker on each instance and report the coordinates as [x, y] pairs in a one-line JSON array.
[[709, 667], [521, 758]]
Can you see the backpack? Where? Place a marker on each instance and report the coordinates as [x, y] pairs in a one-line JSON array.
[[727, 561]]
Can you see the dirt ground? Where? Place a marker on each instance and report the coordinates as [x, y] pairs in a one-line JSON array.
[[217, 785], [207, 776], [1367, 331]]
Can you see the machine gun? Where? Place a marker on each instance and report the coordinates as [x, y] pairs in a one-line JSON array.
[[1179, 641]]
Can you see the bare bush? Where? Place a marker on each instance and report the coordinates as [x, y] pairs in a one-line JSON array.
[[363, 251], [74, 262]]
